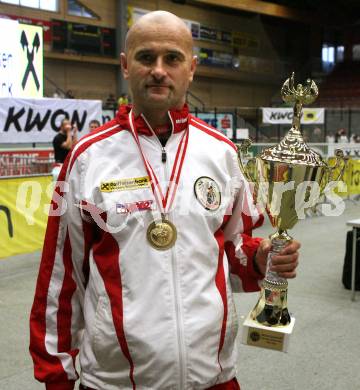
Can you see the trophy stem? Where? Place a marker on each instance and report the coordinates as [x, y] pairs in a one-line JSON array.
[[271, 308]]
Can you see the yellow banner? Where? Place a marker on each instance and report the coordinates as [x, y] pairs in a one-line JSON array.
[[23, 214], [353, 177]]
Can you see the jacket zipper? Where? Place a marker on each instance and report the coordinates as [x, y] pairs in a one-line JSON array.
[[179, 320]]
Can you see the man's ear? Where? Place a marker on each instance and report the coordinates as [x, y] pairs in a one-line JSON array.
[[193, 67], [124, 65]]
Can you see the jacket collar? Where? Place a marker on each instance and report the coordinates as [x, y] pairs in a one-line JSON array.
[[179, 119]]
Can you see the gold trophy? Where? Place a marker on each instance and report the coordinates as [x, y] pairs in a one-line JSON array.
[[285, 176]]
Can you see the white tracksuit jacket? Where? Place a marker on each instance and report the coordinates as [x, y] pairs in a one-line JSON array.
[[143, 318]]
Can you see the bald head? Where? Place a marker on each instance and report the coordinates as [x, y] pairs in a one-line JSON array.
[[156, 21], [158, 62]]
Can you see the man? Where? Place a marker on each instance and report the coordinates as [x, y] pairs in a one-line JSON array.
[[93, 125], [64, 140], [139, 270]]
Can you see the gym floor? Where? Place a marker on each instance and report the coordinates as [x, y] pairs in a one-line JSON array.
[[324, 350]]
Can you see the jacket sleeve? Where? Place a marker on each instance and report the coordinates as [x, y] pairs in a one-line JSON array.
[[240, 246], [56, 319]]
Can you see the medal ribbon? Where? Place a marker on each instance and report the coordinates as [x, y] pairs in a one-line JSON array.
[[163, 203]]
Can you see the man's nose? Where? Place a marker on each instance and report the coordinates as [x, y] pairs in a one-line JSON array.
[[158, 71]]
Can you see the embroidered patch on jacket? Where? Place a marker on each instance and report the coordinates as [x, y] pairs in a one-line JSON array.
[[133, 183], [142, 205], [208, 193]]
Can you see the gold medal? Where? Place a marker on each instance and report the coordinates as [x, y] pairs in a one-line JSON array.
[[161, 234]]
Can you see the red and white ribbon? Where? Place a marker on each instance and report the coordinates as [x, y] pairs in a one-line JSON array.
[[163, 202]]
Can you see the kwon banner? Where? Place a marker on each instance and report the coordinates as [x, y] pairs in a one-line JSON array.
[[38, 120], [285, 115]]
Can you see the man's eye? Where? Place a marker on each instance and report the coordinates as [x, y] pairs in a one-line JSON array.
[[172, 58], [146, 58]]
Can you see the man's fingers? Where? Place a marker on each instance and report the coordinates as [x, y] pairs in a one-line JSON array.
[[288, 275], [287, 267], [291, 248], [284, 259]]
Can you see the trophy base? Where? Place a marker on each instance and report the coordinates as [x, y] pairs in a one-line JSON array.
[[275, 338]]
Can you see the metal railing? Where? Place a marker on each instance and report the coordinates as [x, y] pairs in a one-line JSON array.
[[251, 118]]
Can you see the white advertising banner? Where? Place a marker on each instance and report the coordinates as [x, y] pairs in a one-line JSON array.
[[21, 59], [107, 115], [278, 116], [9, 59], [38, 120]]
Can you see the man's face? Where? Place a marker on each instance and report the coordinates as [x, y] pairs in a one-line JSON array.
[[66, 126], [93, 126], [159, 66]]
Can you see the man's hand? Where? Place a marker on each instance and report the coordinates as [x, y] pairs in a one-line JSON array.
[[74, 135], [284, 263]]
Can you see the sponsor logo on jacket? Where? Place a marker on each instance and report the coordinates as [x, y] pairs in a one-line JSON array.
[[133, 183], [142, 205]]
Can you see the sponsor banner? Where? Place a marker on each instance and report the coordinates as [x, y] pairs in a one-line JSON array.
[[23, 214], [31, 61], [222, 122], [21, 162], [9, 59], [38, 120], [21, 70], [285, 115], [351, 177], [107, 115], [9, 155], [214, 57], [44, 24]]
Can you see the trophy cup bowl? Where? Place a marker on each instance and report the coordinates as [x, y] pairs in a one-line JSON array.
[[285, 177]]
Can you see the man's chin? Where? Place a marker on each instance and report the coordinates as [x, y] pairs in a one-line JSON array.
[[157, 100]]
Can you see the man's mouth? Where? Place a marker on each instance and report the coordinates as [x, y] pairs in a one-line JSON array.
[[157, 86]]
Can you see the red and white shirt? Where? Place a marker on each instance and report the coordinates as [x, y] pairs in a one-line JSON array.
[[143, 318]]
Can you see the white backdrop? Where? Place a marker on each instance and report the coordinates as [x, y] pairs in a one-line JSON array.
[[9, 49], [38, 120]]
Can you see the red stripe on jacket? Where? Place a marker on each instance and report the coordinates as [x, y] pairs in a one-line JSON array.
[[220, 282], [47, 368], [106, 256], [64, 313], [221, 286]]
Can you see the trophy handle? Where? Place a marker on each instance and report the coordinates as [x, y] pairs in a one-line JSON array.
[[340, 163], [243, 149], [329, 176]]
